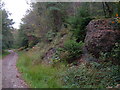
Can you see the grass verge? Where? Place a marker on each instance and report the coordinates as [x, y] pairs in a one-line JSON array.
[[5, 53], [40, 75]]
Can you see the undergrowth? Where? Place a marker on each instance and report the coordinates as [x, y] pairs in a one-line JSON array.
[[39, 75], [92, 75], [86, 75], [5, 53]]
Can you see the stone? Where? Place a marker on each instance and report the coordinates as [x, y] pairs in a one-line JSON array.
[[17, 76], [100, 37]]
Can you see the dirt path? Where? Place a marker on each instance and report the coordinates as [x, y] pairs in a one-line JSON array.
[[10, 74]]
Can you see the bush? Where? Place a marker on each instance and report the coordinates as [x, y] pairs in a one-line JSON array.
[[78, 24], [113, 55], [4, 53], [38, 75], [93, 76], [55, 58], [33, 43], [50, 35], [115, 23], [71, 50]]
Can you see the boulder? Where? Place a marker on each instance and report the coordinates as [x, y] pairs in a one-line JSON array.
[[100, 37]]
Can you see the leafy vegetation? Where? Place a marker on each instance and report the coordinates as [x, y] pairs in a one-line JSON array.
[[61, 45], [89, 75], [71, 51], [7, 38], [92, 75], [50, 35], [113, 55], [116, 23], [51, 40], [79, 23], [39, 75], [4, 53]]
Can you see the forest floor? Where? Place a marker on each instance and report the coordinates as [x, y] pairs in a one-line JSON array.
[[10, 75]]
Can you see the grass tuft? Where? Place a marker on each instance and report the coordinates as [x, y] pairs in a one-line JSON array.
[[40, 75], [5, 53]]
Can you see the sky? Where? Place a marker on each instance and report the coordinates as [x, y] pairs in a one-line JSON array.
[[18, 9]]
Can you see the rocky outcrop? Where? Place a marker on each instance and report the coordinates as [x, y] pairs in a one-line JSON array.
[[100, 37]]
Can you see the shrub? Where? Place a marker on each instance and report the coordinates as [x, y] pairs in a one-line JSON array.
[[78, 24], [113, 55], [4, 53], [50, 35], [72, 50], [38, 75], [94, 76], [33, 43], [55, 58], [115, 23]]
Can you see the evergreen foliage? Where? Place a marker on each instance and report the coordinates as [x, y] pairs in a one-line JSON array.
[[7, 37]]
